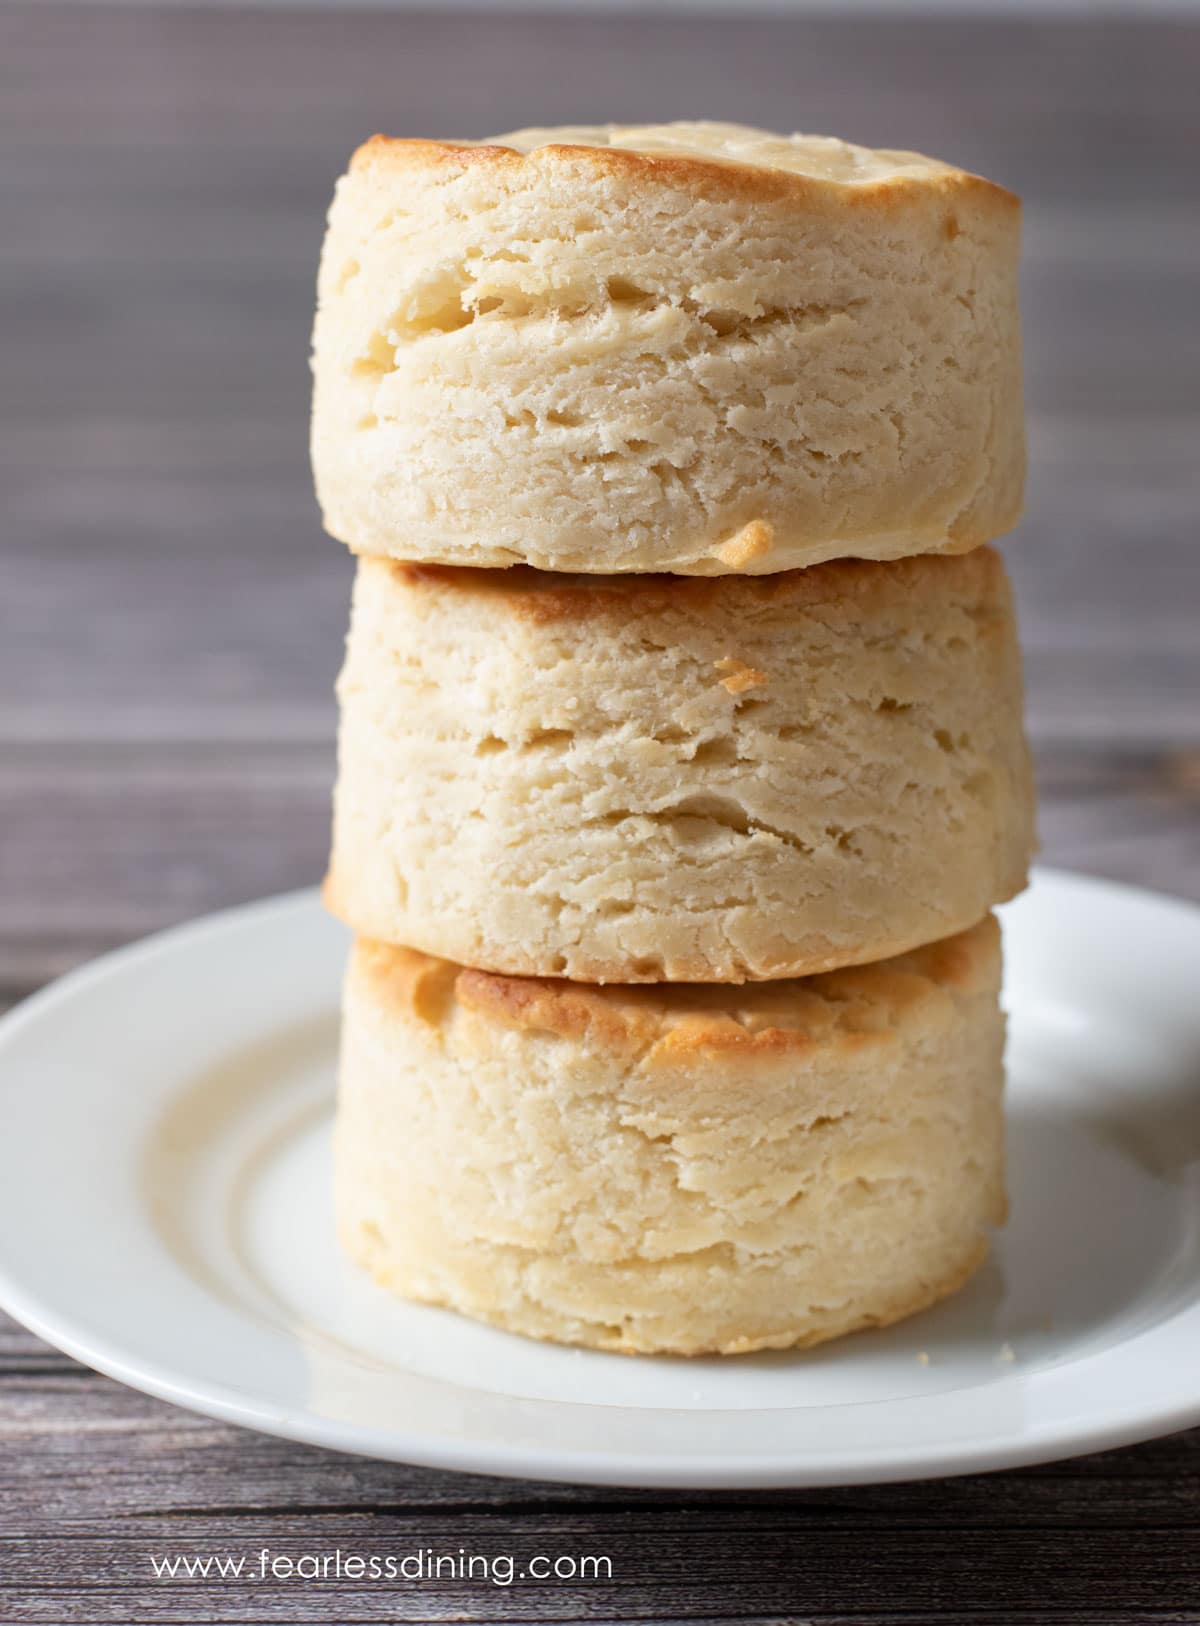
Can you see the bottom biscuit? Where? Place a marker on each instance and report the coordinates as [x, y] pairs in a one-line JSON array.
[[676, 1169]]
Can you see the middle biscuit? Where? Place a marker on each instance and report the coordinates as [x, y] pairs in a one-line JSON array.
[[655, 778]]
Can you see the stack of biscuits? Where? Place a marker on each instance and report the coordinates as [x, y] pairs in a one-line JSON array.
[[681, 757]]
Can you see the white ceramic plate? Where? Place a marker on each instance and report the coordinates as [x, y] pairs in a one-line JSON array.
[[165, 1217]]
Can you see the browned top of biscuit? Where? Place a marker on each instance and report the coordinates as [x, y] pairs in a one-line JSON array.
[[542, 598], [666, 1022], [709, 159]]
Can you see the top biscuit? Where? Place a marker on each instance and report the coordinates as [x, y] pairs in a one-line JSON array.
[[692, 348]]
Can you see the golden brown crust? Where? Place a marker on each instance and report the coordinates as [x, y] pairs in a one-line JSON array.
[[752, 542], [405, 978], [542, 599], [696, 172], [855, 1005], [964, 962]]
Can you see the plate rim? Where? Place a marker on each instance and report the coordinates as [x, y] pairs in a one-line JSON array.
[[1050, 1440]]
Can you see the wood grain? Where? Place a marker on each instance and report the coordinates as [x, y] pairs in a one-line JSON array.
[[172, 619], [104, 1479]]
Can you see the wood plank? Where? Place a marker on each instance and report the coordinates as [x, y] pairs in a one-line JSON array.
[[1063, 107], [116, 840], [215, 643], [86, 1449], [121, 1478], [821, 1571]]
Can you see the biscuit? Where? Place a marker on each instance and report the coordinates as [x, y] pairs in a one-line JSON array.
[[673, 1169], [692, 348], [631, 779]]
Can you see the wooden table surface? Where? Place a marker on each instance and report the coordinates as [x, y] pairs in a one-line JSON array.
[[172, 618]]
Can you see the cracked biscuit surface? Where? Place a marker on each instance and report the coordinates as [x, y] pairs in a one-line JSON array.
[[645, 779], [674, 1169], [694, 348]]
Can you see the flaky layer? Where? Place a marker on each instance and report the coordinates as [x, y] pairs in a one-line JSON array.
[[677, 1170], [698, 349], [702, 781]]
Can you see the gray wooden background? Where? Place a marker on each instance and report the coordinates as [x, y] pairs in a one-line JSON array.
[[171, 623]]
